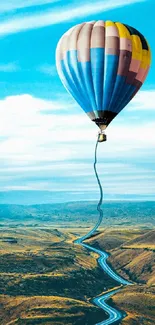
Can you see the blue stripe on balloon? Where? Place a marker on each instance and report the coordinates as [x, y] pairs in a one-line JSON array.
[[85, 71], [126, 99], [110, 73], [74, 69], [75, 85], [69, 86], [120, 81], [90, 85], [124, 96], [68, 71], [97, 68]]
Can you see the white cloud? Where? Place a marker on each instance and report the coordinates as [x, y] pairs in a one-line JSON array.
[[60, 14], [144, 100], [84, 186], [28, 131], [26, 104], [9, 67], [37, 145], [6, 6], [48, 69]]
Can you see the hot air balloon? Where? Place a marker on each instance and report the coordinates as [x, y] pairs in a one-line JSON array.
[[103, 64]]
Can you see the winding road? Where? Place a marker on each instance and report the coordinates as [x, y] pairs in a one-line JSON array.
[[114, 315]]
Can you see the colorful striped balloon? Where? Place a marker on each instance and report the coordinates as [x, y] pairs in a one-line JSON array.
[[103, 64]]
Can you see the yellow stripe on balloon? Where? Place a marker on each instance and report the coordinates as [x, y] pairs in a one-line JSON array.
[[149, 56], [123, 31], [145, 59], [136, 47], [109, 23]]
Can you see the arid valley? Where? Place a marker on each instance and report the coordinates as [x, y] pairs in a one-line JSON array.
[[45, 278]]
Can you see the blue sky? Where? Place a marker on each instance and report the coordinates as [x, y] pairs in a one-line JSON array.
[[46, 141]]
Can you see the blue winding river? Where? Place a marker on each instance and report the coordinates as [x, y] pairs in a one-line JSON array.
[[114, 315]]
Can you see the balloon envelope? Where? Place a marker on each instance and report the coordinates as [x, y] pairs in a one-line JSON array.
[[103, 65]]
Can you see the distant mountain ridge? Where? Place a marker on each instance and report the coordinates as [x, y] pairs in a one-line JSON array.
[[122, 213], [31, 197]]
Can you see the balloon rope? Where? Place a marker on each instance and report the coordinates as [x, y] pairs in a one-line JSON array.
[[99, 209]]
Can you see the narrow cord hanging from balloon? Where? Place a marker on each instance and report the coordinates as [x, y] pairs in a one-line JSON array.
[[99, 209]]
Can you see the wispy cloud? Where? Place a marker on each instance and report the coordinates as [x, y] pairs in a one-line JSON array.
[[9, 67], [32, 135], [38, 151], [47, 69], [6, 6], [55, 16]]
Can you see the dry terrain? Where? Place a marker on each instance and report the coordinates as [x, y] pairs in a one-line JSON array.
[[132, 254], [47, 279]]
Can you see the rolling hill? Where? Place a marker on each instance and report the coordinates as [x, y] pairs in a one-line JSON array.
[[47, 279], [69, 214], [132, 254]]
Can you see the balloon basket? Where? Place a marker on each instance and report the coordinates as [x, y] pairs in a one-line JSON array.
[[102, 137]]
